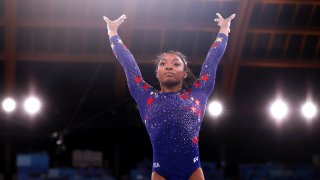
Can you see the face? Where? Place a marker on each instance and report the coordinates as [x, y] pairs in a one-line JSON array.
[[171, 70]]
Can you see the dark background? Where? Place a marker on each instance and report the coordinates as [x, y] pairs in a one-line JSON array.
[[59, 51]]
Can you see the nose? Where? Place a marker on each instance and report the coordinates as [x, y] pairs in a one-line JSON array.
[[168, 67]]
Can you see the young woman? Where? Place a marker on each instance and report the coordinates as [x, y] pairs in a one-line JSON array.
[[173, 114]]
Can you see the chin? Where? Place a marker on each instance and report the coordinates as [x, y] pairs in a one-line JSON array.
[[170, 83]]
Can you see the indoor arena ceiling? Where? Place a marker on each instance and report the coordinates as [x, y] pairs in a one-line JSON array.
[[59, 49]]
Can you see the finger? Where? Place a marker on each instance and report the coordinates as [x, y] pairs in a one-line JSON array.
[[216, 20], [232, 16], [122, 17], [219, 15], [106, 18]]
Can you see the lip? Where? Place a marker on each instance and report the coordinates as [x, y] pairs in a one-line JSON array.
[[168, 73]]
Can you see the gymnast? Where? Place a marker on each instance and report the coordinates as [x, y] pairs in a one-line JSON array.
[[173, 114]]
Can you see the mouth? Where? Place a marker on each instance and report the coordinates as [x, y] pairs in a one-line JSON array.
[[168, 74]]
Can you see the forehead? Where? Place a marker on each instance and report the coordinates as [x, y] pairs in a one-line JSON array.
[[170, 57]]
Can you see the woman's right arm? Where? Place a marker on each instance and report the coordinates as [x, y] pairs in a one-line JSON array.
[[136, 84]]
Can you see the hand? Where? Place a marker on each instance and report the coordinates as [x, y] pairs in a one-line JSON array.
[[224, 23], [114, 25]]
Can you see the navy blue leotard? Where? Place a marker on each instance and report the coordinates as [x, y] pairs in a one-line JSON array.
[[172, 119]]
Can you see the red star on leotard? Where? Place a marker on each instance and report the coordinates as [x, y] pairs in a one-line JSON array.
[[184, 96], [137, 79], [193, 109], [214, 45], [145, 86], [195, 140], [197, 102], [199, 113], [150, 100], [197, 84], [204, 77]]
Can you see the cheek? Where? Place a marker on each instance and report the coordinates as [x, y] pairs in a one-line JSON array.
[[181, 74], [181, 71], [158, 72], [161, 69]]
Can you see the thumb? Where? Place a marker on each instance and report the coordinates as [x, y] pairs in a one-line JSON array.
[[106, 18], [122, 18], [232, 16]]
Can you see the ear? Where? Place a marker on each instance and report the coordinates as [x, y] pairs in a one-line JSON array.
[[185, 75]]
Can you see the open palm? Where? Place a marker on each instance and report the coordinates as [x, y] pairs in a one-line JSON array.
[[114, 25], [224, 23]]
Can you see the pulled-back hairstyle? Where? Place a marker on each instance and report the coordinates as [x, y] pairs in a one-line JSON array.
[[190, 79]]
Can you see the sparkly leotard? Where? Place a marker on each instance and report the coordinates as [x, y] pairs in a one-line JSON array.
[[172, 119]]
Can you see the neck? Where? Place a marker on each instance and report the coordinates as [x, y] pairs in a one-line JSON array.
[[176, 88]]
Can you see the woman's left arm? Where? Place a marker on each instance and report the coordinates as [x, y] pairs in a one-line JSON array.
[[206, 80]]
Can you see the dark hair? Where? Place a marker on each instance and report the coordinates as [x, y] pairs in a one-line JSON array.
[[190, 79]]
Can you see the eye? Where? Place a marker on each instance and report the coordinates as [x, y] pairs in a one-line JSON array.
[[176, 64], [162, 64]]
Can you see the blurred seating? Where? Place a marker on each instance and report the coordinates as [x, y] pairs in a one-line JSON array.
[[277, 171], [142, 171], [211, 171], [36, 167]]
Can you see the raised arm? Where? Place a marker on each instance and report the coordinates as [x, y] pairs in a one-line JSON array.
[[136, 84], [206, 80]]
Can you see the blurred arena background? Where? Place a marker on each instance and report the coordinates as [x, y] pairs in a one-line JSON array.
[[88, 126]]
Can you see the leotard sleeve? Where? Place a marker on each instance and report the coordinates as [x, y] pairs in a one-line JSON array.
[[137, 86], [206, 81]]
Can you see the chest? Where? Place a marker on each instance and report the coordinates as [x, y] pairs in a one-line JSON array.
[[173, 108]]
